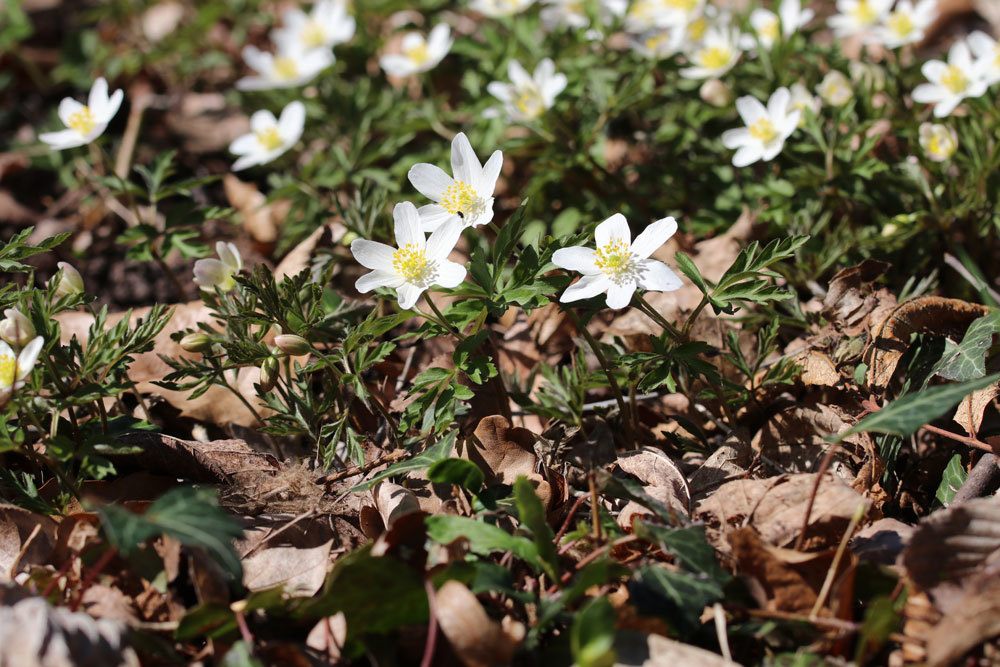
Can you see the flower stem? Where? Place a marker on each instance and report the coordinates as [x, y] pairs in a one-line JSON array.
[[648, 309]]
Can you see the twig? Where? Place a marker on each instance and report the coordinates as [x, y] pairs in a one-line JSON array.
[[953, 262], [569, 517], [270, 536], [830, 623], [859, 514], [982, 480], [391, 457], [721, 633], [99, 566], [428, 658], [965, 440], [823, 465]]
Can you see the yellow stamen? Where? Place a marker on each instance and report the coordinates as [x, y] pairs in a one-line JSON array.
[[285, 68], [769, 31], [763, 130], [685, 5], [410, 263], [954, 79], [696, 29], [615, 259], [418, 53], [269, 138], [714, 57], [8, 370], [863, 13], [901, 24], [313, 35], [529, 102], [82, 121], [459, 197]]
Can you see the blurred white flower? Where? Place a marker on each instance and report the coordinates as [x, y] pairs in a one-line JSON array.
[[417, 53], [766, 129], [619, 265], [467, 194], [716, 93], [498, 8], [661, 43], [938, 141], [858, 17], [219, 273], [803, 101], [987, 52], [14, 369], [269, 137], [907, 23], [645, 15], [16, 328], [835, 89], [770, 26], [715, 55], [527, 96], [84, 122], [416, 263], [951, 82], [291, 66], [573, 13], [70, 281], [327, 25]]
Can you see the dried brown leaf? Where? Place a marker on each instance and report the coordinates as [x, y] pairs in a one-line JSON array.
[[661, 479], [220, 461], [300, 572], [26, 539], [478, 640]]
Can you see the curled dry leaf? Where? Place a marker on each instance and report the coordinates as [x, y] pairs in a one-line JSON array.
[[33, 633], [477, 639], [969, 413], [26, 539], [882, 541], [219, 461], [329, 636], [299, 571], [637, 650], [661, 479], [794, 439], [731, 460], [261, 219], [776, 508], [851, 298], [974, 621], [393, 502]]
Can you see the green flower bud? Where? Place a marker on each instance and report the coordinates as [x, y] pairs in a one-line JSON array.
[[70, 281], [196, 342], [292, 345], [268, 375]]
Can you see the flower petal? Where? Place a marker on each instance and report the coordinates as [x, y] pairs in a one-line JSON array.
[[292, 121], [620, 295], [407, 225], [657, 277], [442, 241], [371, 254], [585, 288], [450, 274], [376, 279], [429, 180], [614, 228], [433, 216], [653, 237], [487, 182], [750, 109], [407, 295], [465, 164], [29, 355], [576, 258]]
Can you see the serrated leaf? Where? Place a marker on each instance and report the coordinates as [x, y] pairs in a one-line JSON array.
[[677, 597], [436, 452]]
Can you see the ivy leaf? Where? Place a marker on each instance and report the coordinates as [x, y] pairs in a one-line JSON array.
[[952, 478], [905, 415], [967, 360], [678, 597], [688, 545]]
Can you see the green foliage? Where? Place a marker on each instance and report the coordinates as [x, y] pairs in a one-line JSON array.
[[532, 515], [952, 478], [967, 360], [592, 636]]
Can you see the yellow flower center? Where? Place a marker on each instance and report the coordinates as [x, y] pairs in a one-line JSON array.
[[900, 23], [696, 29], [8, 370], [410, 263], [285, 68], [954, 79], [418, 53], [655, 42], [313, 35], [863, 13], [763, 130], [82, 121], [615, 259], [714, 57], [529, 102], [769, 31], [269, 138], [685, 5], [459, 198], [642, 10]]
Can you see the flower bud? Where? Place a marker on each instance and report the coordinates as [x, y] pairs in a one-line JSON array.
[[292, 345], [70, 281], [716, 93], [835, 89], [938, 141], [268, 375], [16, 329], [196, 342]]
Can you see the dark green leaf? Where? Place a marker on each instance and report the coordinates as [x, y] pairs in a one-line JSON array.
[[592, 636], [532, 515], [462, 472]]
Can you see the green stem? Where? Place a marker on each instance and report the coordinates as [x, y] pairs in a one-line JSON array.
[[648, 309]]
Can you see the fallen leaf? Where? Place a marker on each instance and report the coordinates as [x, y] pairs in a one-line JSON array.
[[393, 502], [26, 539], [300, 572], [478, 640], [261, 219], [328, 636], [660, 478], [637, 650], [219, 461]]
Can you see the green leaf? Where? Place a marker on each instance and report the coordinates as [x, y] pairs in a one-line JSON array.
[[882, 618], [532, 515], [677, 597], [905, 415], [240, 656], [967, 360], [688, 545], [436, 452], [462, 472], [592, 636], [484, 538], [190, 515], [470, 357], [689, 269], [952, 478]]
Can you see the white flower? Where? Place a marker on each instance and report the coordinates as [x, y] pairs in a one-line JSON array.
[[269, 137], [14, 370], [468, 194], [987, 51], [70, 280], [291, 66], [418, 54], [803, 101], [950, 82], [858, 17], [218, 273], [645, 15], [16, 328], [416, 263], [716, 93], [770, 26], [907, 23], [84, 122], [716, 54], [497, 8], [835, 89], [766, 129], [661, 43], [619, 265], [573, 13], [527, 96], [327, 25], [938, 141]]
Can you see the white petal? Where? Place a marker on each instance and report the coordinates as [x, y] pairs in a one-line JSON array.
[[450, 274], [488, 177], [431, 181], [576, 258], [464, 162], [620, 295], [376, 279], [292, 121], [407, 225], [98, 95], [250, 160], [210, 272], [63, 139], [442, 241], [518, 75], [110, 108], [67, 107], [262, 120], [653, 237], [396, 65], [433, 216], [657, 277], [736, 137], [750, 109], [777, 105], [614, 228], [407, 294], [746, 155], [29, 355], [585, 288], [230, 255], [372, 254], [927, 93], [244, 144]]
